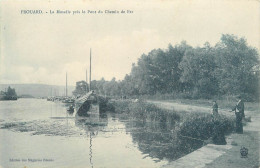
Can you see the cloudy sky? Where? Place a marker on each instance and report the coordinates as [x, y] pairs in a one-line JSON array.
[[42, 48]]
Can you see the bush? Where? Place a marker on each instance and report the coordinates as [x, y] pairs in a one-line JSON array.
[[197, 128]]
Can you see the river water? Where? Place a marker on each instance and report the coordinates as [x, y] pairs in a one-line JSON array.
[[40, 133]]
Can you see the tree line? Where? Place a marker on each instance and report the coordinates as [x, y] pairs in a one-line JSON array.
[[231, 67], [9, 94]]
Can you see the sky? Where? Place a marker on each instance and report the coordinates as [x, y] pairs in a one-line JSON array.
[[41, 48]]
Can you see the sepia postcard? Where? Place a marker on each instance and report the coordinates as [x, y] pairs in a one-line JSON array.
[[129, 84]]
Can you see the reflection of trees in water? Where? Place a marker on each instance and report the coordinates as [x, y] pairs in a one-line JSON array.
[[156, 135]]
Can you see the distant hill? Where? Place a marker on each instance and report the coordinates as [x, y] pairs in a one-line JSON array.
[[38, 90]]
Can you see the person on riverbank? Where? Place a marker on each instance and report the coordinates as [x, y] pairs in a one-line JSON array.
[[215, 108], [241, 106], [239, 112]]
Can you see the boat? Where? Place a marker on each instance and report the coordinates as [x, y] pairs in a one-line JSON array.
[[49, 99], [70, 109], [87, 104], [68, 101], [90, 103]]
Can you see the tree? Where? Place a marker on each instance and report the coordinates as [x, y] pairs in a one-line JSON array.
[[201, 72], [198, 66], [235, 60], [176, 54], [11, 92], [81, 88]]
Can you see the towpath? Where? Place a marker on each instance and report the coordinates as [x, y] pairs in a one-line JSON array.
[[224, 156], [188, 108]]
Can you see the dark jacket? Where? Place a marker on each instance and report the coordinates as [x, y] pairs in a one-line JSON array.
[[240, 107]]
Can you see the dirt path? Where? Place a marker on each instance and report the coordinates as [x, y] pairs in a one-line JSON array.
[[222, 156], [188, 108]]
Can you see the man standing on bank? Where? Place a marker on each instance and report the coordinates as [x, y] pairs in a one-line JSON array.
[[215, 108], [239, 111]]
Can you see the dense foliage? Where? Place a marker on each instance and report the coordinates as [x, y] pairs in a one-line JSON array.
[[231, 67], [10, 94]]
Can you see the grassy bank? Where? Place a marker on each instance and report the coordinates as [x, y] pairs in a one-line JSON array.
[[186, 133], [142, 110]]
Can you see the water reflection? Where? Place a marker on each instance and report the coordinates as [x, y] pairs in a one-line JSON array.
[[92, 123], [155, 135], [97, 137], [90, 151]]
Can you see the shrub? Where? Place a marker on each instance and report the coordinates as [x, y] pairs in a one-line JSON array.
[[197, 128]]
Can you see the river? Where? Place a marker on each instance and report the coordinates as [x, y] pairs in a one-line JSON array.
[[40, 133]]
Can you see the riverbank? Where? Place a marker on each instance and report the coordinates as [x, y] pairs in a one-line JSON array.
[[190, 130], [221, 155], [8, 98], [204, 105], [225, 156]]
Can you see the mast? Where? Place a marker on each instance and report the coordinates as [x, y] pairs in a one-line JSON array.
[[87, 80], [90, 71], [86, 75], [66, 85]]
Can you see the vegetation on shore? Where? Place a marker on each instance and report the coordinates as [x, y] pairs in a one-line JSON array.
[[230, 68], [10, 94], [183, 132]]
